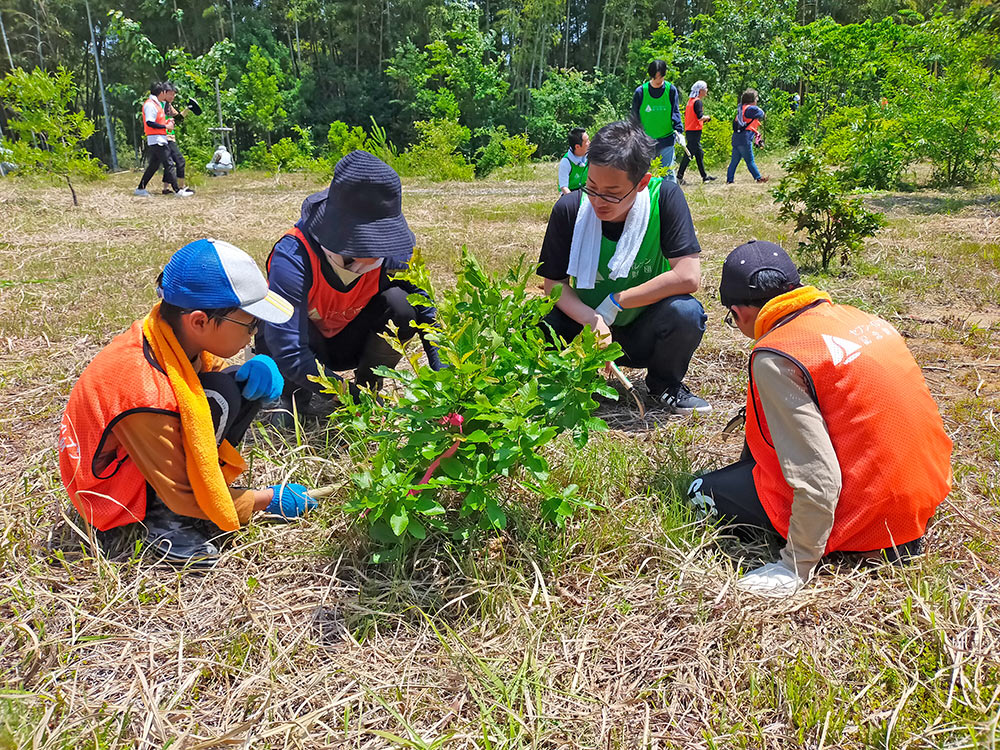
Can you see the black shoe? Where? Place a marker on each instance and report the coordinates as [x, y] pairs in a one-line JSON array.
[[708, 178], [679, 400], [178, 540]]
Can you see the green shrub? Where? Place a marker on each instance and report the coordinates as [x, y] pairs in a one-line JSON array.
[[436, 155], [503, 150], [442, 453], [259, 156], [716, 139], [567, 99], [870, 145], [287, 155], [342, 140], [811, 196]]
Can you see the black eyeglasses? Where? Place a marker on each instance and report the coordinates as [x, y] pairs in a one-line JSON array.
[[608, 198], [731, 319], [251, 327]]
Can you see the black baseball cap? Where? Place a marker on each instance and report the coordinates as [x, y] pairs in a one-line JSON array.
[[744, 262]]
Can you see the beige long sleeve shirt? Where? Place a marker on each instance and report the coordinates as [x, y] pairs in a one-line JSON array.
[[806, 456]]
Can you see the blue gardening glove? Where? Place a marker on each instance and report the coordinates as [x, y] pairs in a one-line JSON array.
[[290, 500], [261, 379]]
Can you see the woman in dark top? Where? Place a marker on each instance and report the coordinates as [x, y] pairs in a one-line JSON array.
[[694, 120]]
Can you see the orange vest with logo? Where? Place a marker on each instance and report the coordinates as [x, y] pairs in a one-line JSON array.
[[329, 310], [691, 121], [105, 486], [161, 118], [895, 457]]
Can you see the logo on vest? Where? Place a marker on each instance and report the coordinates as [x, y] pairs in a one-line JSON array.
[[842, 350], [649, 108]]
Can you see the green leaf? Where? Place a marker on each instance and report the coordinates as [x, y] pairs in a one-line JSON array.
[[416, 529], [428, 506], [398, 521], [495, 513]]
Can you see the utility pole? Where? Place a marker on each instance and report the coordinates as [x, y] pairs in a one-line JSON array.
[[100, 85], [3, 31], [38, 29]]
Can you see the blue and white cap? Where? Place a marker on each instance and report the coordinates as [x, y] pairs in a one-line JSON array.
[[212, 274]]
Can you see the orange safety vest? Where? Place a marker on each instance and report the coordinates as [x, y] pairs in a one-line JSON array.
[[161, 118], [895, 458], [691, 121], [752, 125], [107, 487], [329, 310]]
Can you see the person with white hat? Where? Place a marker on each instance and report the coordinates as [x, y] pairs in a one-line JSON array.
[[147, 440]]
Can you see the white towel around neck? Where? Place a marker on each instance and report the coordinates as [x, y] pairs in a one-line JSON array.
[[585, 249]]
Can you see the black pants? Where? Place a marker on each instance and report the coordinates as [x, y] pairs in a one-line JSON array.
[[178, 160], [231, 413], [738, 504], [159, 156], [662, 339], [694, 146]]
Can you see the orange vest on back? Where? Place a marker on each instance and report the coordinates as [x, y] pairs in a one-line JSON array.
[[691, 121], [106, 487], [895, 457], [752, 125], [161, 118], [329, 310]]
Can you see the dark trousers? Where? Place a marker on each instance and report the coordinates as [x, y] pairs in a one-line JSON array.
[[738, 504], [178, 160], [694, 146], [662, 339], [159, 156]]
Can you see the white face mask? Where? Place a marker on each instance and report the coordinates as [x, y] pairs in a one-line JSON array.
[[350, 269]]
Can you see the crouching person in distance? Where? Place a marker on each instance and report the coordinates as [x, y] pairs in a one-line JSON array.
[[147, 439], [845, 449], [626, 255], [333, 267]]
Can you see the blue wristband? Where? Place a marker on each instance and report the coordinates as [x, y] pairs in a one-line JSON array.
[[614, 301]]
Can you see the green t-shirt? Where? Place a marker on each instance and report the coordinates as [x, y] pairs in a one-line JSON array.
[[577, 173], [649, 262], [655, 114]]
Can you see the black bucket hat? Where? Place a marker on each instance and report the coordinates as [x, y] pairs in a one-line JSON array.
[[361, 214], [744, 262]]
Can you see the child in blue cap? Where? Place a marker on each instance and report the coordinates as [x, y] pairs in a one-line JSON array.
[[147, 441]]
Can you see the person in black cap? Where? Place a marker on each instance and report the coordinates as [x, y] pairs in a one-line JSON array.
[[845, 449], [332, 266]]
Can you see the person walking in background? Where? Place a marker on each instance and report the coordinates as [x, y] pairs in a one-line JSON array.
[[155, 125], [746, 132], [175, 153], [694, 119], [573, 166], [656, 108], [845, 447]]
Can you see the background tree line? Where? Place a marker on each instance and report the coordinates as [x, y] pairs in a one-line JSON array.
[[451, 89]]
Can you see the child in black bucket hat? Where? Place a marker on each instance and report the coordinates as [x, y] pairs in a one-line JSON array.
[[333, 267]]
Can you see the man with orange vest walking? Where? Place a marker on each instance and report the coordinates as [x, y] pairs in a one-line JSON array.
[[156, 125], [333, 267], [147, 441], [845, 447], [694, 121]]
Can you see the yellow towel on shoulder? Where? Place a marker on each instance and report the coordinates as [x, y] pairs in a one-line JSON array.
[[210, 467]]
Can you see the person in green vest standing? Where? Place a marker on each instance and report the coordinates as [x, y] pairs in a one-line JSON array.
[[656, 107], [573, 166], [625, 254]]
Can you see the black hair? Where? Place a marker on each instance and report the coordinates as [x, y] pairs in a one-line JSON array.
[[171, 314], [576, 136], [157, 88], [168, 86], [749, 96], [657, 68], [765, 285], [622, 145]]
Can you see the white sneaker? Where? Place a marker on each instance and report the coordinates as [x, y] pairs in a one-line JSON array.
[[184, 193], [141, 192]]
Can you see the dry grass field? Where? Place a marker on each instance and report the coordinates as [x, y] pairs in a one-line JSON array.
[[622, 631]]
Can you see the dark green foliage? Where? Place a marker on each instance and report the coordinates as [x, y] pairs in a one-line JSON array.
[[514, 395], [812, 197]]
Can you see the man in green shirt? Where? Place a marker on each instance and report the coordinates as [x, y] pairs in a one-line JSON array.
[[573, 166], [627, 258], [656, 108]]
